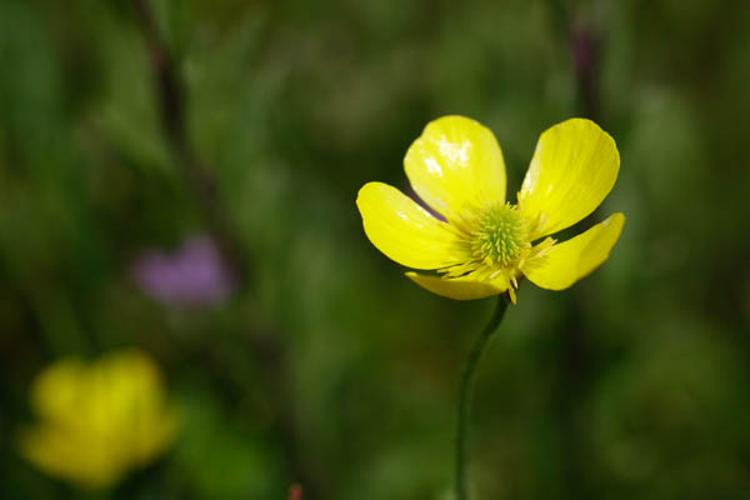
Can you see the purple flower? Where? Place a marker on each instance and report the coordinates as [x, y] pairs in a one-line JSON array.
[[195, 274]]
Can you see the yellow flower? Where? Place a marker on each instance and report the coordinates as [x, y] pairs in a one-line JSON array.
[[98, 421], [485, 245]]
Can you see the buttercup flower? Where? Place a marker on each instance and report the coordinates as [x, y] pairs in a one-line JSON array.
[[98, 421], [485, 244]]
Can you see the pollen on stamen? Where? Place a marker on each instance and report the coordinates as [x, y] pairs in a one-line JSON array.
[[500, 237]]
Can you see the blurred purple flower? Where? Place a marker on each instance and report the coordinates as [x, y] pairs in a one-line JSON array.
[[193, 275]]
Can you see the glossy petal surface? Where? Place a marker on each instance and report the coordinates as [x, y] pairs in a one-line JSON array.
[[569, 261], [574, 167], [458, 289], [404, 231], [456, 164]]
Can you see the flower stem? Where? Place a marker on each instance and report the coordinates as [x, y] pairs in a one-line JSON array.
[[465, 395]]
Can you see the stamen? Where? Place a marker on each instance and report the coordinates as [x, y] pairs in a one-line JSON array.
[[501, 236]]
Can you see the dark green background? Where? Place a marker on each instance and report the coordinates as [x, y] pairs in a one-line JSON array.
[[328, 366]]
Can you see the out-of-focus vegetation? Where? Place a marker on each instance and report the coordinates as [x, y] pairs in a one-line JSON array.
[[316, 361]]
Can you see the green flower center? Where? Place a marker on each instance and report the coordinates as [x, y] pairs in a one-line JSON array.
[[501, 236]]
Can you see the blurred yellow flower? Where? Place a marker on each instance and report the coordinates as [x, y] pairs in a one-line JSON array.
[[98, 421], [485, 245]]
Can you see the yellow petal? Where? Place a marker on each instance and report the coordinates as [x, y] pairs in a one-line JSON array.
[[99, 420], [455, 165], [404, 231], [565, 263], [57, 392], [75, 457], [574, 167], [456, 288]]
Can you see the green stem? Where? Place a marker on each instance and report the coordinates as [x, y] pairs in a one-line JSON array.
[[465, 395]]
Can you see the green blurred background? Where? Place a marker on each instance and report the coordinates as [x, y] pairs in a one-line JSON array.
[[127, 127]]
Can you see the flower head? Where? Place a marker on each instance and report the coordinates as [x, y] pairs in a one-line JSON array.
[[194, 275], [98, 421], [485, 244]]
